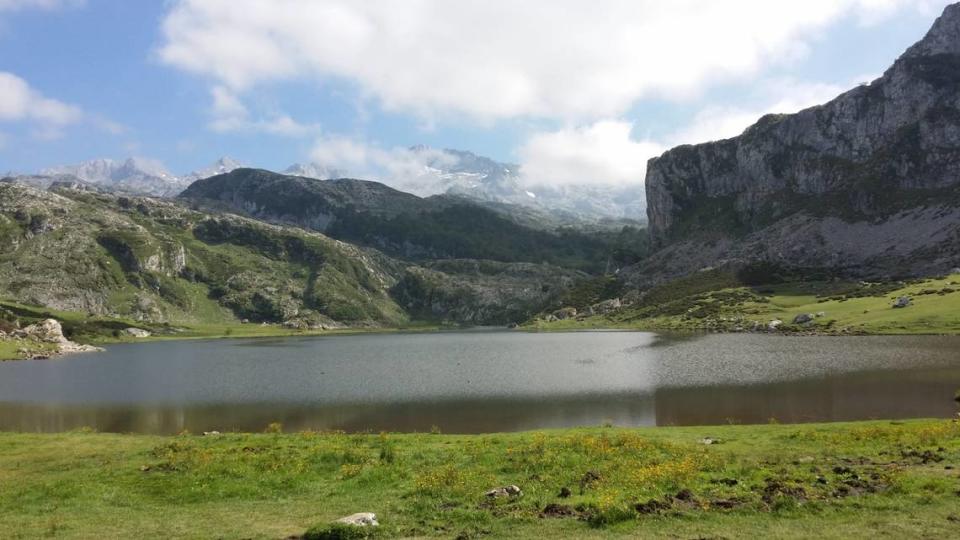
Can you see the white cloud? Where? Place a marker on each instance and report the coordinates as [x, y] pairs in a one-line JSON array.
[[20, 102], [600, 153], [230, 115], [605, 152], [411, 170], [108, 125], [780, 96], [566, 59]]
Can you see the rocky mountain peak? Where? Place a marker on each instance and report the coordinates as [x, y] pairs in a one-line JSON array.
[[221, 166], [830, 185], [942, 38]]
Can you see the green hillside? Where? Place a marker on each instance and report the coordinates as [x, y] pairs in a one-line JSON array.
[[414, 228], [110, 261], [718, 300]]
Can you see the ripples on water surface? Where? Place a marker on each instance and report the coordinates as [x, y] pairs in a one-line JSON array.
[[482, 381]]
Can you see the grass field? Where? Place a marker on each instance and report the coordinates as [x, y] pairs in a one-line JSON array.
[[839, 308], [887, 479]]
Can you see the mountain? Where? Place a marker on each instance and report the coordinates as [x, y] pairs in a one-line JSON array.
[[405, 225], [222, 165], [866, 184], [313, 170], [48, 182], [158, 260], [431, 171], [470, 175], [133, 175]]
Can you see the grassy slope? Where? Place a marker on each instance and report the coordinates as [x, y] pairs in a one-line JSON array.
[[84, 485], [100, 330], [930, 313]]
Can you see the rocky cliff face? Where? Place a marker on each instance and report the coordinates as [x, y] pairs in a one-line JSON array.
[[868, 181]]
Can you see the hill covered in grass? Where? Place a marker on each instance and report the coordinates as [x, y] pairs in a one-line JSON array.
[[414, 228], [158, 261], [757, 301]]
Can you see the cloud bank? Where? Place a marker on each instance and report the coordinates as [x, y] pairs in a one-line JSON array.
[[566, 59], [570, 63], [21, 103]]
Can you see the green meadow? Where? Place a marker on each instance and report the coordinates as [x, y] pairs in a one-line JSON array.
[[887, 479]]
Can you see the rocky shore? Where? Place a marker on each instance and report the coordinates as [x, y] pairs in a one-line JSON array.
[[43, 340]]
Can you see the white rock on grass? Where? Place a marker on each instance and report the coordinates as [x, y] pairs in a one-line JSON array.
[[137, 332], [361, 519], [505, 491]]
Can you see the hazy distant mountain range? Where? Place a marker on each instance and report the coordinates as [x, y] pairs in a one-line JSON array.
[[454, 172]]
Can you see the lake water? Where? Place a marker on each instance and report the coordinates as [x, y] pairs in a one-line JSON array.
[[481, 381]]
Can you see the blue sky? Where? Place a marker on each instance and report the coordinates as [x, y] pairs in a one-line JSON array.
[[570, 93]]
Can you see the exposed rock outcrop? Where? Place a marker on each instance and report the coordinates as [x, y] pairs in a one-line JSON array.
[[49, 331], [869, 182], [481, 292]]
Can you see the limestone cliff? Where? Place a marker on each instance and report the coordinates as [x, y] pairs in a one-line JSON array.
[[869, 182]]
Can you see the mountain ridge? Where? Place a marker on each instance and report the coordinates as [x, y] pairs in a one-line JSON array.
[[866, 183], [399, 223]]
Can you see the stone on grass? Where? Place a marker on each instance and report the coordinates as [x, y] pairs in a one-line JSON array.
[[902, 302], [137, 332], [360, 519], [505, 491]]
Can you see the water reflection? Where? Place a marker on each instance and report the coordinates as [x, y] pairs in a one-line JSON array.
[[481, 382]]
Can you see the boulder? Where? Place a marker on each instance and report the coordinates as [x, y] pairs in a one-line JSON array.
[[565, 313], [50, 331], [774, 325], [803, 318], [956, 270], [137, 332], [47, 331], [360, 519], [902, 302], [505, 491]]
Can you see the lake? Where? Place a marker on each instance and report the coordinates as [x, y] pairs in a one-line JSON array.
[[481, 381]]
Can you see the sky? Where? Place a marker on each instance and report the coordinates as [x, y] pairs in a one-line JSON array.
[[574, 91]]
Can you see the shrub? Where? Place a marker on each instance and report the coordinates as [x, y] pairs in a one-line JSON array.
[[387, 452]]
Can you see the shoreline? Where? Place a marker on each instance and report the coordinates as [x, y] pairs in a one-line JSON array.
[[8, 347]]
